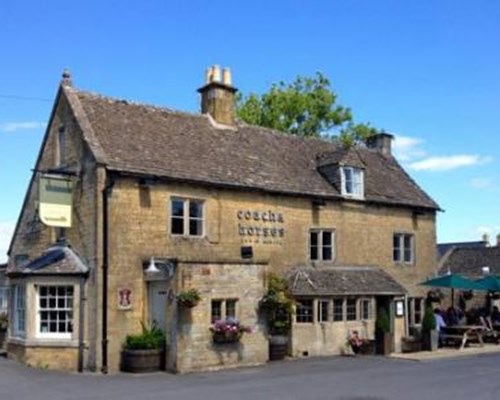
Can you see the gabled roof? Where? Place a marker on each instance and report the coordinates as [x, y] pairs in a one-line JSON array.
[[355, 280], [141, 139], [59, 259], [469, 261]]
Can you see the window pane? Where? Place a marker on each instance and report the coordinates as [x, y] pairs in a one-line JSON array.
[[177, 227], [177, 208], [365, 309], [313, 238], [351, 309], [196, 209], [338, 313], [216, 310], [196, 227], [305, 311], [230, 308], [408, 248], [327, 238]]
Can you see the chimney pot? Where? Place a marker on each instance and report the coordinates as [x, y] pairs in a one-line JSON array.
[[226, 76], [215, 73]]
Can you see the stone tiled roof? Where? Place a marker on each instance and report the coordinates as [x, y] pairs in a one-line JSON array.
[[469, 261], [56, 260], [443, 248], [355, 280], [141, 139]]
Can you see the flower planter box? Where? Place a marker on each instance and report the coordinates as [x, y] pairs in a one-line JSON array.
[[221, 337], [139, 361], [411, 345]]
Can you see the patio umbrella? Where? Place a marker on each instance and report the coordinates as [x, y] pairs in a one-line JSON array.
[[452, 281], [489, 283]]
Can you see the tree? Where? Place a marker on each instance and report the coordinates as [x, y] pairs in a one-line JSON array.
[[305, 107]]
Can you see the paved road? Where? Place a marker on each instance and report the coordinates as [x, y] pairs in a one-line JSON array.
[[336, 378]]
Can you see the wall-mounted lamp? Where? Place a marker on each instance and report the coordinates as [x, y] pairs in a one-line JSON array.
[[152, 268]]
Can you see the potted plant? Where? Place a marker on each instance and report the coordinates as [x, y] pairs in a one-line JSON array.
[[145, 351], [277, 306], [429, 332], [189, 298], [383, 336], [4, 324], [228, 331]]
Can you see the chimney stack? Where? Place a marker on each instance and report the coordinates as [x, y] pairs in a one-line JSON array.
[[498, 239], [217, 96], [486, 239], [381, 142]]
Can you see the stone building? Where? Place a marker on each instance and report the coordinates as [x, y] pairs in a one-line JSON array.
[[214, 204]]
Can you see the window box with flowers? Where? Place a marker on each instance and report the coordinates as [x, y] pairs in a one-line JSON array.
[[188, 298], [228, 331]]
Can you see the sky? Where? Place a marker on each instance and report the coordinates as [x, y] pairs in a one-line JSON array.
[[425, 71]]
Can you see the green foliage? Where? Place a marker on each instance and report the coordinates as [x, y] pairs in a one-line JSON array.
[[189, 297], [150, 338], [305, 107], [277, 305], [383, 323], [429, 321]]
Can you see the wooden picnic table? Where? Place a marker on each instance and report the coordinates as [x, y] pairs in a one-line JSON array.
[[463, 334]]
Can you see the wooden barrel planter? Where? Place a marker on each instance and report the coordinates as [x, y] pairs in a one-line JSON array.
[[139, 361], [278, 347]]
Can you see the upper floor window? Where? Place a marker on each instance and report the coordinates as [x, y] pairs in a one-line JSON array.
[[55, 311], [321, 245], [352, 182], [403, 248], [186, 217]]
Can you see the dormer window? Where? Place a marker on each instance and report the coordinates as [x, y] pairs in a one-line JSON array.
[[352, 182]]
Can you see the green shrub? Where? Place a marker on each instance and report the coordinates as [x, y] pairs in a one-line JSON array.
[[150, 338], [277, 305], [429, 321], [383, 323]]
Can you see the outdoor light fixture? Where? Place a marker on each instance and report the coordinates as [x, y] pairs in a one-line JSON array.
[[152, 268], [486, 270]]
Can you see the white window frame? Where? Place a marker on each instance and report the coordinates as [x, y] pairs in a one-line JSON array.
[[413, 301], [4, 299], [54, 335], [319, 308], [400, 248], [342, 301], [19, 310], [224, 309], [353, 185], [320, 246], [362, 302], [304, 314], [186, 218]]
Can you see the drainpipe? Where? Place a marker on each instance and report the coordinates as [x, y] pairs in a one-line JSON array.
[[81, 322], [106, 192]]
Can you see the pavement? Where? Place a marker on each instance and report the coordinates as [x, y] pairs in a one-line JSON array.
[[448, 352]]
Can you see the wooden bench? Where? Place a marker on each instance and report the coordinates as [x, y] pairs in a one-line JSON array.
[[462, 335]]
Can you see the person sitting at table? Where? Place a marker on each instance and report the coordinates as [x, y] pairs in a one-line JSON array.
[[356, 342], [439, 325], [452, 317], [495, 316]]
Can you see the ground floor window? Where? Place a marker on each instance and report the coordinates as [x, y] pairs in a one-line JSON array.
[[222, 309], [55, 311], [304, 311], [19, 310], [337, 309], [4, 295], [415, 310]]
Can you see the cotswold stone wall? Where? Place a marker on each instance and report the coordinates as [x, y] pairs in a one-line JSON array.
[[195, 347]]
